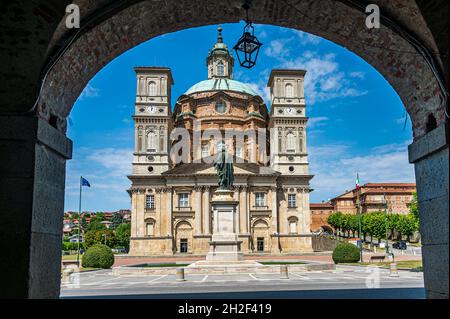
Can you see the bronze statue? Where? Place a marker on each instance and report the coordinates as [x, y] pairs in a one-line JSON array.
[[224, 168]]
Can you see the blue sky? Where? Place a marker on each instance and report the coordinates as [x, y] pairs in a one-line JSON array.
[[356, 118]]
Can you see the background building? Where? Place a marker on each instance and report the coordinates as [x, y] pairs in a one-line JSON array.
[[171, 210], [395, 197]]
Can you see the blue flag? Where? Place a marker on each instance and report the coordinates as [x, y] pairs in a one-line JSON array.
[[84, 182]]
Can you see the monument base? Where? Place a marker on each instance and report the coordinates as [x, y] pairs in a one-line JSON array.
[[224, 245]]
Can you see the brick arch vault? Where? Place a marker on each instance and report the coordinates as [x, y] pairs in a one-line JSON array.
[[46, 66]]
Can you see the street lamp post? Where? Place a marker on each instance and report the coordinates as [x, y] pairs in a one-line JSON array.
[[386, 223], [360, 226]]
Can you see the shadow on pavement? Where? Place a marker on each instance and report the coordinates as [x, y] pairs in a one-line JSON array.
[[380, 293]]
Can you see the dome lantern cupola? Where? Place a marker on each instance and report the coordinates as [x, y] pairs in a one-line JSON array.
[[220, 61]]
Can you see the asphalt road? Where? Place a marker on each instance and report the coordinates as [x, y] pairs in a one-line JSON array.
[[344, 282]]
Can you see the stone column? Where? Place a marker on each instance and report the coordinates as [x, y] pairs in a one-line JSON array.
[[430, 157], [274, 227], [159, 222], [245, 214], [237, 218], [169, 200], [273, 194], [33, 158], [207, 213], [198, 211]]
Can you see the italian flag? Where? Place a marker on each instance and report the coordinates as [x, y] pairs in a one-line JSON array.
[[357, 181]]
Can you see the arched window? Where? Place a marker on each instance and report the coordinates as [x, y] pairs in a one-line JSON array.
[[289, 90], [151, 141], [220, 69], [290, 142], [152, 89]]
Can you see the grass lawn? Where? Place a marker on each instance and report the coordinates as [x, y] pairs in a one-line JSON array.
[[71, 257], [403, 264], [282, 262]]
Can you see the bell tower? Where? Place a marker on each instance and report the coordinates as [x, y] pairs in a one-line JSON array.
[[152, 120], [219, 61], [288, 122]]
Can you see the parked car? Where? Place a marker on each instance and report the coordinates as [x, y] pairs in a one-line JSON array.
[[119, 250], [400, 245]]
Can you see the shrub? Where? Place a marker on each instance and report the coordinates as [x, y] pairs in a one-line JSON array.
[[345, 253], [98, 256]]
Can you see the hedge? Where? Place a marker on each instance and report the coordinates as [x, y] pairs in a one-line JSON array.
[[98, 256], [345, 253]]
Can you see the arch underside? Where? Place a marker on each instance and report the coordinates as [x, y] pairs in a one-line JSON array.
[[385, 50]]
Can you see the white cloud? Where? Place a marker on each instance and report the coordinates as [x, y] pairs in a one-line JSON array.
[[335, 168], [89, 92], [317, 121], [324, 80], [278, 48], [307, 38], [359, 75], [106, 169], [116, 161]]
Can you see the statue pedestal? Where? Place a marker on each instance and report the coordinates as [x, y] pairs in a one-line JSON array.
[[224, 244], [224, 254]]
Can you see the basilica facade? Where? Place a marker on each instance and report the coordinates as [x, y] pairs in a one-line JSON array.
[[173, 176]]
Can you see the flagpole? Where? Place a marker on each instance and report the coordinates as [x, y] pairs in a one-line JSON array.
[[79, 225]]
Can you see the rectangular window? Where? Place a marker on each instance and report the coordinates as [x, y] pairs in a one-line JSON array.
[[292, 202], [260, 199], [260, 244], [183, 200], [150, 201], [183, 245]]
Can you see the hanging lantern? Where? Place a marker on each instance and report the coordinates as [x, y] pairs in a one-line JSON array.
[[247, 48]]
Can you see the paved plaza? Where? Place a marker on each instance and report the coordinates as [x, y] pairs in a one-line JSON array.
[[344, 282]]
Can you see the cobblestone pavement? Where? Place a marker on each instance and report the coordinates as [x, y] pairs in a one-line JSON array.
[[344, 282]]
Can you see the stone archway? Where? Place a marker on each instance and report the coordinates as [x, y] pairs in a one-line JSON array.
[[32, 136]]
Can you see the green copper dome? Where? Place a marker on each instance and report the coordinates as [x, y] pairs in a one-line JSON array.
[[221, 84]]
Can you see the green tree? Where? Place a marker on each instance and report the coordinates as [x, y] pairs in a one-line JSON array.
[[353, 224], [84, 223], [335, 221], [407, 225], [123, 233], [105, 236], [392, 220], [95, 225], [414, 206], [116, 220]]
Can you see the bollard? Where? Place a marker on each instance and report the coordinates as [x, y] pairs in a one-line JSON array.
[[180, 274], [66, 275], [393, 271], [284, 272]]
